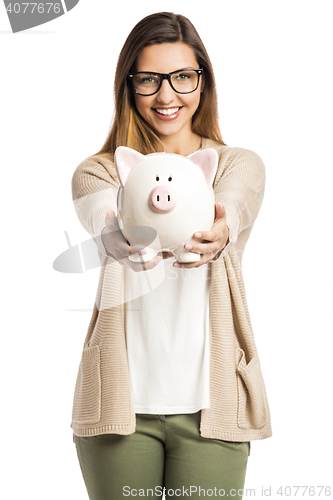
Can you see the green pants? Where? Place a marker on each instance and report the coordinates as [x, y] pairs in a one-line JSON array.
[[165, 453]]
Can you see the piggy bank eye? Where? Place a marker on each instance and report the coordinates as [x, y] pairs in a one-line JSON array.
[[170, 178], [157, 178]]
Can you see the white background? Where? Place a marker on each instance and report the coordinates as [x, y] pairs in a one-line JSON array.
[[273, 66]]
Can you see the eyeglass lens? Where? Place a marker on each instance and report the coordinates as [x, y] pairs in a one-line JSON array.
[[183, 81]]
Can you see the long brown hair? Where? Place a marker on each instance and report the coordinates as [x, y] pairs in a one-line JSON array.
[[128, 127]]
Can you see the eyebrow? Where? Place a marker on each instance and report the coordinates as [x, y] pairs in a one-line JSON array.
[[160, 73]]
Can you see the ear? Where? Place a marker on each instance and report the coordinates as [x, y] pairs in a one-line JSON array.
[[207, 160], [124, 160]]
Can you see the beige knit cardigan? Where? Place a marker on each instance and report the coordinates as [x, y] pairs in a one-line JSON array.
[[239, 408]]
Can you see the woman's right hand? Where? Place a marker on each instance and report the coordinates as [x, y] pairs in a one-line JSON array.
[[115, 244]]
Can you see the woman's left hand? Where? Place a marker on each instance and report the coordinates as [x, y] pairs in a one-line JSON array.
[[210, 242]]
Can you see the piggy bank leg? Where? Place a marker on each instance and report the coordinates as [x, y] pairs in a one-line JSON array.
[[151, 253], [184, 256]]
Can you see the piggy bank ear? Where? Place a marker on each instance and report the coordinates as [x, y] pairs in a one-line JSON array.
[[207, 160], [124, 160]]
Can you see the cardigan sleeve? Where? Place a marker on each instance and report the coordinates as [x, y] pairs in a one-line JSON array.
[[94, 192], [240, 188]]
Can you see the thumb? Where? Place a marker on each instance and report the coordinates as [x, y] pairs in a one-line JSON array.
[[109, 217], [219, 211]]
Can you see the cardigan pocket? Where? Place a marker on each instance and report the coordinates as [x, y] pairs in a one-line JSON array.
[[87, 394], [253, 410]]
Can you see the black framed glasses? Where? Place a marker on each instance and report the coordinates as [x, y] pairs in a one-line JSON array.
[[182, 81]]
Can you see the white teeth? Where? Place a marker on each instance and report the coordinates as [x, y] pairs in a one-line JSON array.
[[168, 112]]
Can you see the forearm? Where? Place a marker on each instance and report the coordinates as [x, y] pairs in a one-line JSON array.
[[94, 192], [241, 192]]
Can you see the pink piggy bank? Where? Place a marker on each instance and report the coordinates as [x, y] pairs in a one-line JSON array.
[[163, 199]]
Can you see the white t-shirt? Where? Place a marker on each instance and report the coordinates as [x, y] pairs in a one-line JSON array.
[[167, 336]]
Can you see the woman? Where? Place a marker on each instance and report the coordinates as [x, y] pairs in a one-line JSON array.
[[172, 400]]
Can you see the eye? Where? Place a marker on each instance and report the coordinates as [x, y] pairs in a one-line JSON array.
[[170, 178], [183, 76], [148, 79], [157, 178]]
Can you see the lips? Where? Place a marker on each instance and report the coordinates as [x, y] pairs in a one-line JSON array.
[[167, 114], [167, 111]]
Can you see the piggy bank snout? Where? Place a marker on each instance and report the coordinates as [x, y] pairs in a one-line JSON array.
[[162, 199]]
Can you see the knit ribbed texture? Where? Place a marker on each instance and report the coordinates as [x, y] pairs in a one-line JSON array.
[[239, 408]]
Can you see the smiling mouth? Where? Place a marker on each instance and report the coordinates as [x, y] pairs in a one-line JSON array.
[[167, 111]]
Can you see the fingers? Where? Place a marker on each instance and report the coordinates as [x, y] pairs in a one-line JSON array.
[[132, 250], [121, 249], [125, 249], [119, 241], [211, 236], [144, 266], [167, 255], [206, 242]]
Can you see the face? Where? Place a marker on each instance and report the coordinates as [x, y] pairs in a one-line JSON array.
[[166, 58]]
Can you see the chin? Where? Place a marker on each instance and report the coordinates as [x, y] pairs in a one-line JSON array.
[[168, 129]]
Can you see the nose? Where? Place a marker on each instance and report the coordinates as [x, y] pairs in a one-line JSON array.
[[166, 93], [162, 200]]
